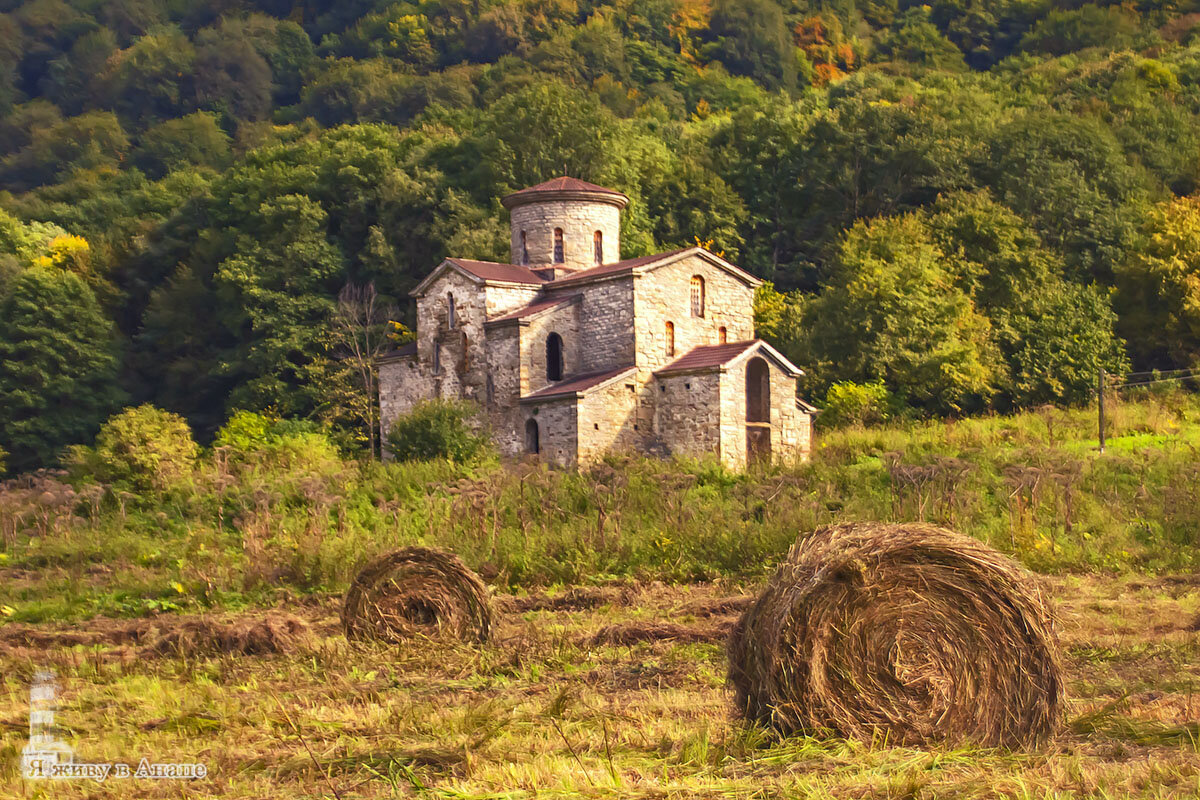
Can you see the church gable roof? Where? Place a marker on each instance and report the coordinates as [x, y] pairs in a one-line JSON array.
[[481, 272], [535, 308], [707, 358], [578, 385], [645, 264]]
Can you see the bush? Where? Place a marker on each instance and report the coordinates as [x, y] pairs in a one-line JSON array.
[[850, 403], [250, 438], [437, 429], [143, 448]]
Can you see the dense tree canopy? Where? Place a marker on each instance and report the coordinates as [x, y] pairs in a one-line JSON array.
[[1000, 175]]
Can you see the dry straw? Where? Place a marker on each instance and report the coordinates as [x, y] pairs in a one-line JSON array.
[[907, 633], [417, 591]]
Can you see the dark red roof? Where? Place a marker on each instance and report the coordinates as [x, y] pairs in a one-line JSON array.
[[565, 184], [534, 308], [493, 271], [617, 267], [402, 351], [708, 356], [575, 384]]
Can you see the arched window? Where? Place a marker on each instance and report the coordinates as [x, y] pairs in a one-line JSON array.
[[450, 320], [758, 391], [532, 445], [670, 339], [524, 248], [554, 357], [697, 296], [722, 335], [559, 256], [437, 356], [598, 246]]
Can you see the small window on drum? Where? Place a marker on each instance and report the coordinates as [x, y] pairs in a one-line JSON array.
[[524, 248], [559, 253], [598, 246]]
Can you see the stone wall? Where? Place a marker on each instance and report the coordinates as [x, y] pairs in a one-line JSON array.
[[608, 421], [558, 430], [402, 384], [606, 322], [506, 299], [565, 322], [790, 427], [505, 416], [664, 295], [579, 220], [688, 415]]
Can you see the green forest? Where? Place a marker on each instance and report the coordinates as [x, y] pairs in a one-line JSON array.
[[966, 206]]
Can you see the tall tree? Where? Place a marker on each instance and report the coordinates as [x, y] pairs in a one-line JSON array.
[[58, 366]]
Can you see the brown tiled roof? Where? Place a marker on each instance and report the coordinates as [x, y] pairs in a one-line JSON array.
[[493, 271], [576, 384], [564, 184], [708, 356], [534, 308], [402, 351], [617, 267]]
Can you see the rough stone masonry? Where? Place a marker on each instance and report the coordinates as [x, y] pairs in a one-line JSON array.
[[573, 354]]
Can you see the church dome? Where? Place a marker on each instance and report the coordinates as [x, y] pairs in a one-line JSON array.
[[565, 224]]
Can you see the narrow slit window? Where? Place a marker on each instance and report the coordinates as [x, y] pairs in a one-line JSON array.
[[670, 339], [450, 315], [524, 248], [559, 255], [697, 296], [554, 357], [722, 335], [598, 246]]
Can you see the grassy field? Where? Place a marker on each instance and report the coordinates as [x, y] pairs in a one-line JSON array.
[[612, 691], [618, 585]]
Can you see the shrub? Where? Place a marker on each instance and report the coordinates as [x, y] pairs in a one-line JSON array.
[[850, 403], [287, 445], [144, 448], [437, 429]]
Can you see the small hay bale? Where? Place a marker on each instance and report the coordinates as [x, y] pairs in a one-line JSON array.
[[417, 591], [907, 632]]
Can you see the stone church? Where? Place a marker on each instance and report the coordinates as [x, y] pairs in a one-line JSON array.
[[573, 353]]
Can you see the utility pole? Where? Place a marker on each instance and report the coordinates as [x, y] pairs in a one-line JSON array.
[[1101, 408]]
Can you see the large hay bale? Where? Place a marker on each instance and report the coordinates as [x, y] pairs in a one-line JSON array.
[[906, 632], [417, 591]]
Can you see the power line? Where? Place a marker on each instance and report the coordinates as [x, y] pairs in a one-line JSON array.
[[1158, 380], [1161, 372]]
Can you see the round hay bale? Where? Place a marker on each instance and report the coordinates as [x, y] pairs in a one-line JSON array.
[[417, 591], [906, 632]]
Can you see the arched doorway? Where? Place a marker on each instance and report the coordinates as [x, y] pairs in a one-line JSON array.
[[532, 444], [758, 411], [554, 357]]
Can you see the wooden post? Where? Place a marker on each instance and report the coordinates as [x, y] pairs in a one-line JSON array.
[[1101, 409]]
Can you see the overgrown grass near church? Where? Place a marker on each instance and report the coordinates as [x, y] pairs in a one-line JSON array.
[[251, 528]]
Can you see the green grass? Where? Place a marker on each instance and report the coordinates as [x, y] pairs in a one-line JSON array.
[[262, 528]]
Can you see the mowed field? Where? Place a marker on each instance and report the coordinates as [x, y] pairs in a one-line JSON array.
[[616, 690]]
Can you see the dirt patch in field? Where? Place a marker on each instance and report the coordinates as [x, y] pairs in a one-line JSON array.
[[258, 634], [634, 632], [576, 598]]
